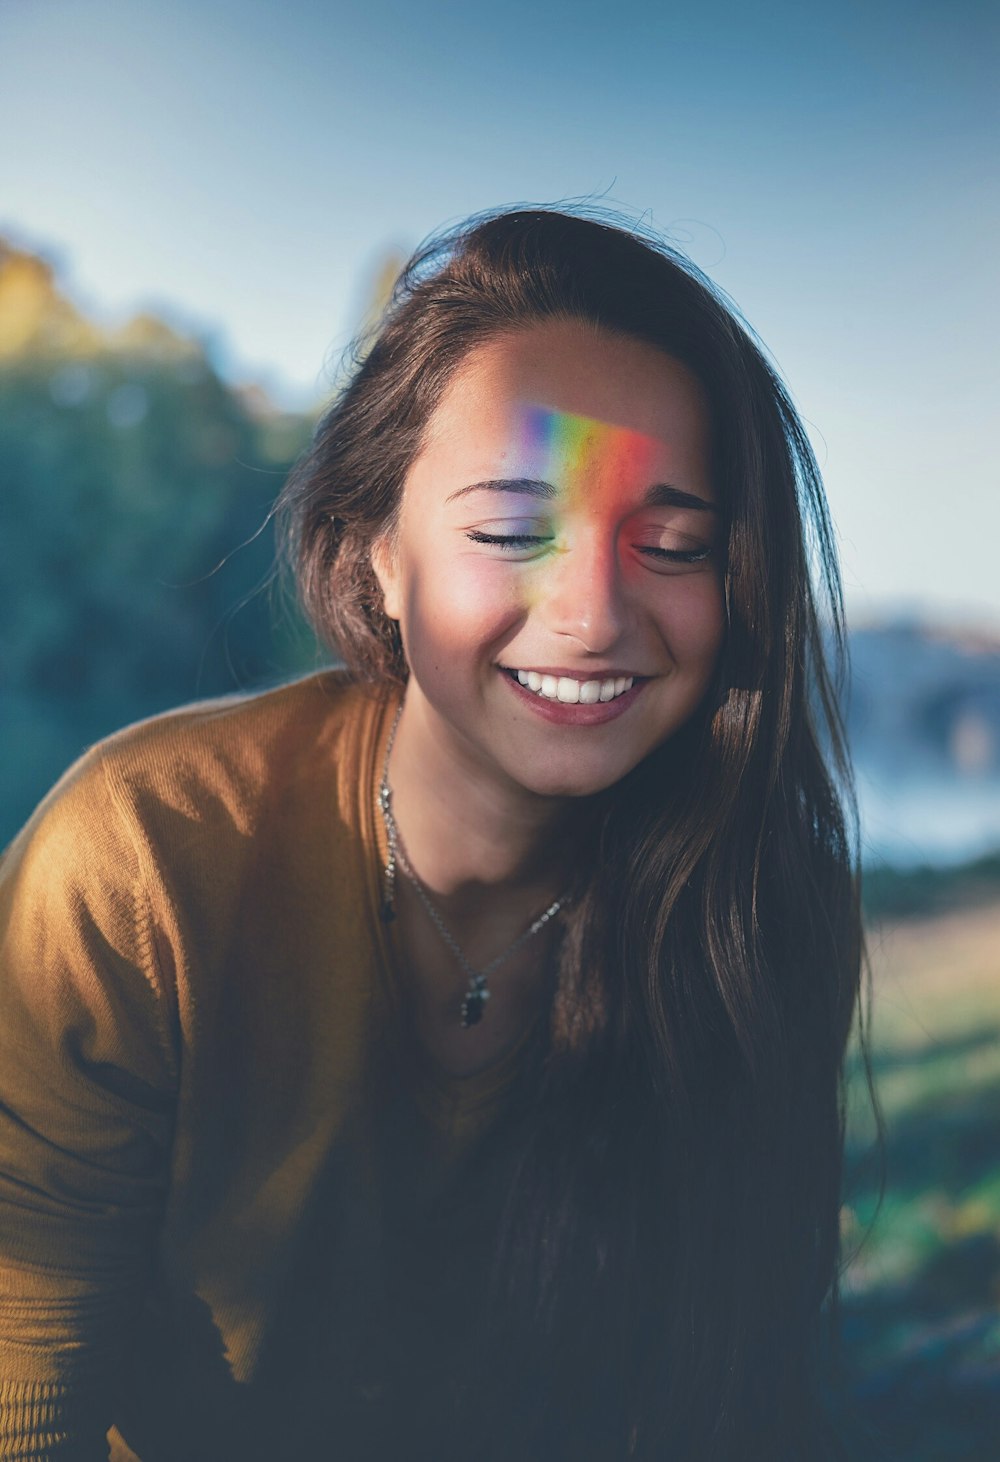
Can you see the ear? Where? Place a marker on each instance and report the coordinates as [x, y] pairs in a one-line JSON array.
[[385, 563]]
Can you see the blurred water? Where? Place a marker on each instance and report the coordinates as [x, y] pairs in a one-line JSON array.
[[929, 820]]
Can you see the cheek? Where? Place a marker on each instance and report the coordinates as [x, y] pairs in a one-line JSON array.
[[463, 605], [696, 621]]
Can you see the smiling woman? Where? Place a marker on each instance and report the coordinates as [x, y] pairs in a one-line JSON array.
[[444, 1055]]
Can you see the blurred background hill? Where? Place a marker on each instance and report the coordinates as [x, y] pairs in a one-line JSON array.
[[924, 727]]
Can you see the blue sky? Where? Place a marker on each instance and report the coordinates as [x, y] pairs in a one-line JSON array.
[[833, 168]]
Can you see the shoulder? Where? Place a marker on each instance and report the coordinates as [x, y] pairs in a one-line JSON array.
[[210, 760], [188, 787], [146, 846], [223, 753]]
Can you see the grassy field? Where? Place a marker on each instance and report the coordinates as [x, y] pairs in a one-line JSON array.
[[922, 1291]]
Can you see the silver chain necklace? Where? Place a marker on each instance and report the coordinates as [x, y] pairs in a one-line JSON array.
[[477, 994]]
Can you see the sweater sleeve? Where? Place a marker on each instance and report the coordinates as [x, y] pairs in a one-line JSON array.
[[87, 1085]]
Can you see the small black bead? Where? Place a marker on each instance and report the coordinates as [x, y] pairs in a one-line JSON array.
[[388, 913]]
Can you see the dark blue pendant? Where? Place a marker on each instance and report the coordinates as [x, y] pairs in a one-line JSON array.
[[473, 1006]]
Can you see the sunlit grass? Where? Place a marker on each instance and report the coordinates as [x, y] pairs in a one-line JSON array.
[[922, 1282]]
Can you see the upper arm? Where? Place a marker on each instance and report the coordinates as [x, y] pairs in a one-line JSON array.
[[87, 1080]]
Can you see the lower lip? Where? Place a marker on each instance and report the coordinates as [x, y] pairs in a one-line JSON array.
[[562, 713]]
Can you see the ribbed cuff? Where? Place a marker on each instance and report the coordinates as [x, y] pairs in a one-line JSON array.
[[40, 1421]]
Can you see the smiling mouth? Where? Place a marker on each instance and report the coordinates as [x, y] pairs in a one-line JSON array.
[[570, 691]]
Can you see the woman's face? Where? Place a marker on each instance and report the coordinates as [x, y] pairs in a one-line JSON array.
[[559, 521]]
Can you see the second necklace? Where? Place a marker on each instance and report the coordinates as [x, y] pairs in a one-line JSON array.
[[477, 993]]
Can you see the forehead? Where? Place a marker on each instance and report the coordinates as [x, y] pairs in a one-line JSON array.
[[548, 442], [571, 385]]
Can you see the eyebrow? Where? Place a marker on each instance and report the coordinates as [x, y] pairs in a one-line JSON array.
[[660, 495]]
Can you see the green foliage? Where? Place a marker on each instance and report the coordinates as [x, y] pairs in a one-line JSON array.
[[901, 893], [135, 550], [922, 1280]]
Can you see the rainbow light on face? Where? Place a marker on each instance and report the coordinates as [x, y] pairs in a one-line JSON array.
[[580, 455]]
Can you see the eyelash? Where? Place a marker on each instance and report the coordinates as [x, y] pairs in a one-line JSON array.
[[526, 540]]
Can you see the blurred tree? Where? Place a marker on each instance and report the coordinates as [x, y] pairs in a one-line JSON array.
[[135, 539]]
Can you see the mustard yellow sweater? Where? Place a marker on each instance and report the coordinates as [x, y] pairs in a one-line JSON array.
[[210, 1190]]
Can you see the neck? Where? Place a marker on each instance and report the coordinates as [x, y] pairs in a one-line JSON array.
[[470, 834]]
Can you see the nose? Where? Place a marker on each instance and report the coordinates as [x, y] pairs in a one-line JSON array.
[[580, 592]]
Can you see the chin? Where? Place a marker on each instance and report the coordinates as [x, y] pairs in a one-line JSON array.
[[563, 782]]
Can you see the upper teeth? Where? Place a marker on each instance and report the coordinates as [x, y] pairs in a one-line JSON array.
[[562, 688]]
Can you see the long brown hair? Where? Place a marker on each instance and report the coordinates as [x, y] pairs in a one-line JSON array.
[[668, 1244]]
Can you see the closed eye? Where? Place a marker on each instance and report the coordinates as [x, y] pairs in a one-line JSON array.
[[506, 540], [677, 555]]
